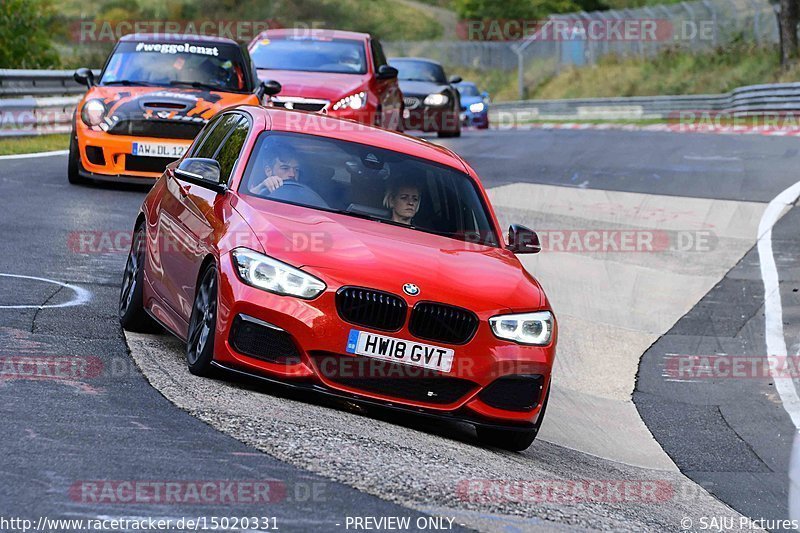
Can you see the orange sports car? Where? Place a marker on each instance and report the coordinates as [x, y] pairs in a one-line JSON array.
[[154, 94]]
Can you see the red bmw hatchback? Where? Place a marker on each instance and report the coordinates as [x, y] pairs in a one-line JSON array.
[[348, 260], [338, 73]]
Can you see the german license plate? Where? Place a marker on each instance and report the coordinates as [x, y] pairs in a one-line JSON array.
[[174, 151], [399, 350]]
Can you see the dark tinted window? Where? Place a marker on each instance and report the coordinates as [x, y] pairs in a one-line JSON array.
[[367, 182], [213, 65], [345, 56], [411, 70], [229, 152], [378, 57], [467, 89], [214, 139]]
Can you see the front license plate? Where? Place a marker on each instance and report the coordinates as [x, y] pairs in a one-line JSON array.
[[159, 150], [399, 350]]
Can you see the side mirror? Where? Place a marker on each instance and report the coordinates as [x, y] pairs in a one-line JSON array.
[[387, 72], [485, 95], [455, 79], [84, 76], [522, 240], [271, 87], [201, 171]]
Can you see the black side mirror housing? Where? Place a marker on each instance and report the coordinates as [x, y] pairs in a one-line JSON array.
[[84, 76], [201, 171], [455, 79], [271, 87], [522, 240], [386, 72]]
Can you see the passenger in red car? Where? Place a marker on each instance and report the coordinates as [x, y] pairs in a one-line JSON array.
[[403, 201], [282, 164]]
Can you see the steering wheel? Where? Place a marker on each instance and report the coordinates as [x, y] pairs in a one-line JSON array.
[[294, 191]]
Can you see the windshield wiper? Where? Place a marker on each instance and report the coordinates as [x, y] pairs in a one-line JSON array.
[[367, 216], [128, 83], [198, 85]]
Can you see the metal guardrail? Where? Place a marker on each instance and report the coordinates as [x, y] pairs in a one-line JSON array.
[[35, 102], [771, 98]]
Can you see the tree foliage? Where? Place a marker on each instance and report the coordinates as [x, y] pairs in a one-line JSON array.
[[25, 34], [521, 9]]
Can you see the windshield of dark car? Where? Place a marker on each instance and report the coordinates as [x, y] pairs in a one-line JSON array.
[[365, 182], [346, 56], [419, 71], [467, 89], [207, 65]]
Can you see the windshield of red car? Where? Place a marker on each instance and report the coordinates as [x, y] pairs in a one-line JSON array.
[[365, 182], [344, 56], [209, 65]]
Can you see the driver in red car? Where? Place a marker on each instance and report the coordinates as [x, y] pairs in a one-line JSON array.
[[283, 164]]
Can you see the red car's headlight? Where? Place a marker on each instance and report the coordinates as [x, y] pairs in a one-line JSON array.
[[264, 272], [354, 101], [526, 328]]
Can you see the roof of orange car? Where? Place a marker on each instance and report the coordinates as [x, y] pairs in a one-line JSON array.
[[313, 33], [350, 130]]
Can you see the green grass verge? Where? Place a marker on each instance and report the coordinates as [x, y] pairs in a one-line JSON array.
[[672, 72], [27, 145]]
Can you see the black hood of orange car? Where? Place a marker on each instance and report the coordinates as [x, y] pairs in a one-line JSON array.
[[163, 104]]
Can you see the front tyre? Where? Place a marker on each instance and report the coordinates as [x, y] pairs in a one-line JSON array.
[[509, 439], [448, 134], [202, 324], [132, 316], [74, 162]]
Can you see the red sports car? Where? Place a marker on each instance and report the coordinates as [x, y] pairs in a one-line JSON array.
[[345, 259], [338, 73]]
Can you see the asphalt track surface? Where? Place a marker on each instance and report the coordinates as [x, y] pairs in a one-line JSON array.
[[733, 438]]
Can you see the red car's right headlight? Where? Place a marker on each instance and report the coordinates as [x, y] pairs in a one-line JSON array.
[[266, 273]]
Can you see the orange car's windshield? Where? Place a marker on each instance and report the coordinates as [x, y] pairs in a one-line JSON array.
[[367, 182], [211, 65]]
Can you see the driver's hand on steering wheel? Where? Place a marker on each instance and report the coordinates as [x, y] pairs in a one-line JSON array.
[[272, 183]]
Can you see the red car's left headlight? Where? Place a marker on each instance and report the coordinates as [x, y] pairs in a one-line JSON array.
[[526, 328], [266, 273]]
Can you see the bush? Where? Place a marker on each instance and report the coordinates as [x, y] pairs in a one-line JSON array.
[[25, 34]]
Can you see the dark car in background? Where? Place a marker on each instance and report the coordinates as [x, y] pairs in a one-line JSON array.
[[338, 73], [431, 101], [474, 105]]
